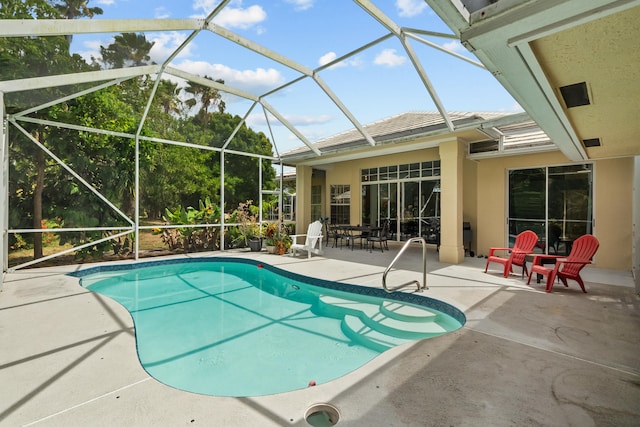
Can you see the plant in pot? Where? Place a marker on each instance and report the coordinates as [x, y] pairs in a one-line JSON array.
[[270, 233], [278, 237], [249, 232]]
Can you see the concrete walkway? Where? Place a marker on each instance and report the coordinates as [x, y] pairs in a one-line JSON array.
[[525, 357]]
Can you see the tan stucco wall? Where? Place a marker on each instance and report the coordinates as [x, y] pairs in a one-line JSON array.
[[470, 200], [612, 204], [484, 198], [349, 173], [613, 213], [303, 197], [452, 154]]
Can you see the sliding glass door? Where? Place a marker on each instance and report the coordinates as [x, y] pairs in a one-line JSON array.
[[555, 202]]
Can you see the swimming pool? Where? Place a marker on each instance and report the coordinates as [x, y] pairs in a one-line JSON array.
[[237, 327]]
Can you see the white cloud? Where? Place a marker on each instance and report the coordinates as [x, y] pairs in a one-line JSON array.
[[330, 56], [301, 4], [389, 58], [300, 120], [233, 15], [161, 13], [240, 18], [409, 8], [166, 43], [105, 2], [296, 120], [454, 46], [255, 81], [91, 48]]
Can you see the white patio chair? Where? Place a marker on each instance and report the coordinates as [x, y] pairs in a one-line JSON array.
[[313, 240]]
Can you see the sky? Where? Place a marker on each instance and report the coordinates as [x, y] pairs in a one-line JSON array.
[[373, 84]]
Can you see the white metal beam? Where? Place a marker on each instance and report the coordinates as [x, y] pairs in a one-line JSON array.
[[427, 82], [73, 173], [4, 191], [34, 83], [344, 109], [379, 16], [289, 126], [67, 98], [62, 27], [261, 50], [209, 83]]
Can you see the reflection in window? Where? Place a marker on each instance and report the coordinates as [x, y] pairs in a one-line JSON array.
[[555, 202], [340, 204]]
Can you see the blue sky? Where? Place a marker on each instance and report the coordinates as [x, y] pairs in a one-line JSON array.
[[373, 84]]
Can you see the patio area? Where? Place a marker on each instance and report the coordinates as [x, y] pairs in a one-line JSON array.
[[524, 357]]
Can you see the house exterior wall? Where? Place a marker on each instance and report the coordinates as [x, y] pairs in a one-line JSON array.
[[612, 212], [484, 197], [349, 173], [470, 201]]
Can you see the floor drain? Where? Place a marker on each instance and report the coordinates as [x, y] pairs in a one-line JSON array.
[[322, 415]]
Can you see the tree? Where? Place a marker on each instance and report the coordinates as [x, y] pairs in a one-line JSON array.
[[205, 96], [127, 49], [72, 9], [23, 57]]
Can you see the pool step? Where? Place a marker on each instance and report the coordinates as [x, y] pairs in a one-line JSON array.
[[381, 326], [408, 313], [356, 330], [338, 307]]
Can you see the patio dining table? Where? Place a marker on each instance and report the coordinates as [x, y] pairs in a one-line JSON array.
[[352, 232]]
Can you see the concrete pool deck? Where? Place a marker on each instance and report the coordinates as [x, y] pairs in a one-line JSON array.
[[524, 357]]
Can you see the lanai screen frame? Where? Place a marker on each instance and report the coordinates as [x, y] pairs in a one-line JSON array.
[[42, 27]]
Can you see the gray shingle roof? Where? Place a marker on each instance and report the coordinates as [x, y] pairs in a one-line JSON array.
[[515, 133], [391, 128]]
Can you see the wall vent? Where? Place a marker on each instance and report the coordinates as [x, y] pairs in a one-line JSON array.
[[591, 142], [575, 95]]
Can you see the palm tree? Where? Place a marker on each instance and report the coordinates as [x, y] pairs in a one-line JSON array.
[[207, 97], [127, 49], [168, 97], [72, 9]]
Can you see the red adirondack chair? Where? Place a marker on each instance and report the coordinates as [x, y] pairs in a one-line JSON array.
[[524, 244], [583, 249]]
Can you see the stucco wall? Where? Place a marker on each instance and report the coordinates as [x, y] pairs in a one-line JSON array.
[[613, 213], [485, 198], [470, 200], [612, 204], [349, 173]]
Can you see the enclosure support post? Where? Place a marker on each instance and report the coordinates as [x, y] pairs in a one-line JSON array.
[[4, 191]]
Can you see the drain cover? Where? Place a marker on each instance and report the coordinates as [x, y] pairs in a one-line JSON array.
[[322, 415]]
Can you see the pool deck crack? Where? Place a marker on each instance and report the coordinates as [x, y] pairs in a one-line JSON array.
[[71, 408]]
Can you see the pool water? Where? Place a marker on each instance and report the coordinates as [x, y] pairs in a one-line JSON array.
[[226, 327]]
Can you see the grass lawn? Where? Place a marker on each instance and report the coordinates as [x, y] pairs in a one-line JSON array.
[[150, 244]]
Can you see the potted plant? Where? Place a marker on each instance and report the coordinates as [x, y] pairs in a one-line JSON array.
[[249, 231], [270, 233], [279, 237]]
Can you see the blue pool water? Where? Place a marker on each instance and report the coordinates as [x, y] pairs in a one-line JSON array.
[[235, 327]]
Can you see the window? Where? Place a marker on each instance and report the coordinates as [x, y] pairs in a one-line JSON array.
[[316, 202], [405, 171], [340, 204], [555, 202], [408, 195]]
